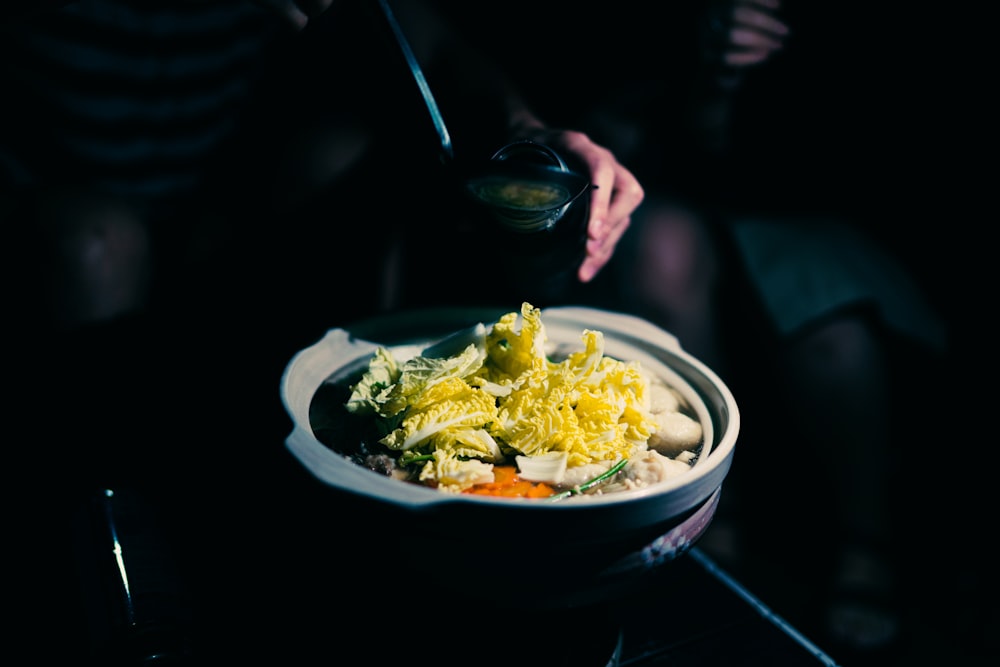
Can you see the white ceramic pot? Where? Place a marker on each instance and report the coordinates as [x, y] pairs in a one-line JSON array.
[[590, 546]]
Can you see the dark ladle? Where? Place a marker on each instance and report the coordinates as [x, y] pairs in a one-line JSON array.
[[526, 184]]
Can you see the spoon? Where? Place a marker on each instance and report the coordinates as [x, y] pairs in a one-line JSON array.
[[527, 184], [418, 75]]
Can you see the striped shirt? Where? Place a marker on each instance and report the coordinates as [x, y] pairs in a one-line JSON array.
[[134, 98]]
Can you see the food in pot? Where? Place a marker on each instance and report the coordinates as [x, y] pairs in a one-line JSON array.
[[521, 194], [490, 412]]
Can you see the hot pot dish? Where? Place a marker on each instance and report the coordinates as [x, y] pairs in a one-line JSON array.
[[589, 434]]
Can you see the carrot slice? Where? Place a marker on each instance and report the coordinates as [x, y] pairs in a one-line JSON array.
[[506, 483]]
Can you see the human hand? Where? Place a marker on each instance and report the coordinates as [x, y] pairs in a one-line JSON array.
[[743, 33], [615, 194], [296, 12]]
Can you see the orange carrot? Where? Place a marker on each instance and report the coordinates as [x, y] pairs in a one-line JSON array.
[[508, 484]]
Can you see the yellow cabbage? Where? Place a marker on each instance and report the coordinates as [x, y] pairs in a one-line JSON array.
[[502, 396]]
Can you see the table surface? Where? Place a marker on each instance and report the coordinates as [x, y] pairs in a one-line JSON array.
[[686, 612], [718, 622]]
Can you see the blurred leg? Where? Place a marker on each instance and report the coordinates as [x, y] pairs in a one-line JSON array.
[[836, 386], [836, 382], [98, 258], [675, 277]]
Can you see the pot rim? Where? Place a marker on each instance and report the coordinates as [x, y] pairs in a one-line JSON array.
[[626, 337]]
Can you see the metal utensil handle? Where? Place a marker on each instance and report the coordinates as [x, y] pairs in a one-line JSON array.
[[418, 76]]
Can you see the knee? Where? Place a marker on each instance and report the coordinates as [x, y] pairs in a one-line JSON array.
[[676, 260], [843, 356], [98, 257], [314, 160]]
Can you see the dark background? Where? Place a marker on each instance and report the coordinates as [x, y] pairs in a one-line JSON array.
[[874, 112]]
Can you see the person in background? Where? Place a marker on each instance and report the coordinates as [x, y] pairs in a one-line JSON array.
[[131, 150], [802, 308], [769, 262], [197, 190], [172, 167]]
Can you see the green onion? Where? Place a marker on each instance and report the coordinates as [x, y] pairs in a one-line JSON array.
[[410, 460], [604, 476]]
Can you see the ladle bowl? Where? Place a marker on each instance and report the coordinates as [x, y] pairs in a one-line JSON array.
[[525, 185]]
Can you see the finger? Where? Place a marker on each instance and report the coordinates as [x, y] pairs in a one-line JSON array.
[[626, 196], [606, 228], [600, 201], [763, 21], [600, 165], [289, 11], [746, 58], [767, 4], [754, 39], [600, 251], [313, 8]]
